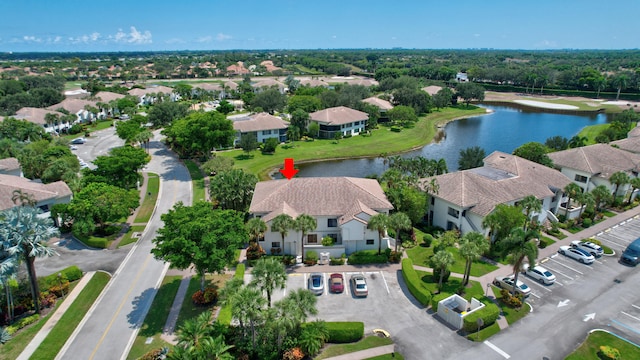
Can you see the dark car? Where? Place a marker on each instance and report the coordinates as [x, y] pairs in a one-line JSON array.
[[336, 283], [631, 254]]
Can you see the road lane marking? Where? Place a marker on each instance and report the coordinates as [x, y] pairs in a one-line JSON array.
[[567, 266], [497, 349], [631, 316]]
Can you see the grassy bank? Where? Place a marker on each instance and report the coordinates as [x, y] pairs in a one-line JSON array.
[[197, 180], [149, 199], [382, 141], [589, 348]]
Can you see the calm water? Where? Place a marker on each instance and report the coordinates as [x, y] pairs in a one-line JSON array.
[[504, 130]]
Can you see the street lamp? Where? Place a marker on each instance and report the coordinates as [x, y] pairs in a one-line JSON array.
[[60, 283], [486, 293]]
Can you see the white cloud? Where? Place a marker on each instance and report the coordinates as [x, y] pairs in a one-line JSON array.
[[222, 37], [476, 35], [334, 37], [57, 39], [133, 37], [84, 39], [28, 38], [204, 39]]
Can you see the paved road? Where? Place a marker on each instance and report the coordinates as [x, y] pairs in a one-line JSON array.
[[109, 328]]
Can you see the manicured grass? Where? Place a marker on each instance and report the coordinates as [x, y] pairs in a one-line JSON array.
[[189, 310], [197, 180], [341, 349], [149, 201], [382, 141], [60, 333], [485, 333], [12, 349], [589, 348], [591, 131], [127, 238], [608, 213], [387, 357], [101, 125], [451, 286], [512, 315], [548, 240], [156, 318]]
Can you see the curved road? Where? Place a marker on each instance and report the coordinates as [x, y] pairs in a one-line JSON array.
[[108, 330]]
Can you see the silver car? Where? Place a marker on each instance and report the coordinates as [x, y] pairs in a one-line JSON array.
[[506, 282], [316, 284], [577, 254], [539, 273], [591, 248]]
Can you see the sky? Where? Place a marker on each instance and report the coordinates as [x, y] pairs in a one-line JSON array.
[[161, 25]]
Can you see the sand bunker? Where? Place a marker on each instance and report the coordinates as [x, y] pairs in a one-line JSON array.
[[546, 105]]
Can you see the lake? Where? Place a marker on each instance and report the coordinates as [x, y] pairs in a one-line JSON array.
[[505, 129]]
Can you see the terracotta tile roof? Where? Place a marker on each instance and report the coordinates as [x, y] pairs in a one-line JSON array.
[[208, 86], [504, 178], [268, 64], [268, 83], [338, 115], [73, 105], [634, 132], [629, 144], [318, 196], [35, 115], [380, 103], [107, 96], [599, 159], [352, 214], [259, 122], [314, 83], [151, 89], [40, 192], [432, 90], [9, 164]]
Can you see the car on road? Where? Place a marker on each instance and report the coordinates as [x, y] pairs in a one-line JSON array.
[[631, 254], [78, 141], [336, 283], [316, 284], [539, 273], [73, 147], [577, 254], [506, 282], [591, 248], [359, 285]]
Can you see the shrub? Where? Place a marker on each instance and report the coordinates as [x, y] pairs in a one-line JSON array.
[[608, 352], [489, 314], [511, 300], [75, 129], [395, 257], [255, 251], [345, 332], [206, 297], [22, 323], [543, 243], [396, 128], [368, 257], [293, 354], [327, 241], [586, 223], [288, 259], [270, 146], [311, 258], [156, 354], [427, 239], [437, 298], [336, 261], [414, 283]]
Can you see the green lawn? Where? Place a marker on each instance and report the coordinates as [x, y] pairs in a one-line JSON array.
[[382, 141], [340, 349], [60, 333], [589, 349], [485, 333], [156, 318], [197, 179], [512, 315], [387, 357], [149, 201], [127, 239], [189, 310], [101, 125], [451, 286]]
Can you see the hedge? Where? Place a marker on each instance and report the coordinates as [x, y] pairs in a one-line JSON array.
[[22, 323], [72, 273], [437, 298], [369, 257], [224, 315], [414, 283], [489, 315], [345, 332]]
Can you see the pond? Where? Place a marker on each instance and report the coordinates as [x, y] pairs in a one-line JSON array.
[[504, 129]]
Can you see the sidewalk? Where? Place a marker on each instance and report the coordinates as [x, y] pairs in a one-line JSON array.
[[53, 320], [365, 354], [132, 218]]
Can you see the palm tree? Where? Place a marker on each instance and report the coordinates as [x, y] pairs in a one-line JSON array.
[[472, 245], [471, 157], [585, 200], [601, 194], [304, 223], [256, 228], [572, 190], [8, 270], [619, 178], [282, 224], [530, 204], [26, 235], [246, 306], [519, 246], [620, 82], [269, 274], [635, 184], [299, 305], [399, 221], [142, 138], [379, 222], [577, 141], [442, 260], [216, 349], [193, 331]]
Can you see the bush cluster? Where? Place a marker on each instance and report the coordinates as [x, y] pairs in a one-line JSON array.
[[586, 223], [489, 315], [255, 251], [514, 301], [22, 323], [414, 283], [293, 354], [206, 297], [345, 332], [396, 128], [369, 257], [311, 258], [336, 261]]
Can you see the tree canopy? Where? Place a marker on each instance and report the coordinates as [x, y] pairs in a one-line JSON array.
[[163, 113], [199, 133], [535, 152], [233, 189], [119, 168]]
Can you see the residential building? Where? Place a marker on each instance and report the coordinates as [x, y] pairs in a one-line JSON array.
[[150, 94], [314, 83], [77, 107], [593, 165], [342, 207], [10, 166], [268, 83], [38, 116], [462, 77], [465, 198], [381, 104], [263, 125], [45, 195], [104, 98], [631, 143], [339, 120]]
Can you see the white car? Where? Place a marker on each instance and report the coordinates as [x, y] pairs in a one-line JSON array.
[[539, 273], [577, 254], [591, 248], [73, 147], [506, 282]]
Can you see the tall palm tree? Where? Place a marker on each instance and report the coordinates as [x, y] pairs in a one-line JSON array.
[[620, 82], [299, 305], [601, 194], [572, 190], [635, 184], [304, 223], [193, 331], [282, 224], [530, 204], [399, 221], [519, 246], [472, 245], [26, 235], [585, 200], [442, 260], [256, 228], [379, 222], [269, 274], [246, 306], [619, 178]]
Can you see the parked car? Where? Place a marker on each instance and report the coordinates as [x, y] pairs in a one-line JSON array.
[[336, 283], [316, 284], [78, 141], [631, 254], [359, 285], [73, 147], [539, 273], [591, 248], [506, 282], [577, 254]]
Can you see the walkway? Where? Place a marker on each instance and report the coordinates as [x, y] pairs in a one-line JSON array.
[[132, 218], [366, 354]]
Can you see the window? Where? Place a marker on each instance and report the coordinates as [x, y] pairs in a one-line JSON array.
[[433, 201], [332, 223], [266, 132], [580, 178], [275, 244], [369, 241], [312, 239], [261, 238], [453, 212], [334, 237]]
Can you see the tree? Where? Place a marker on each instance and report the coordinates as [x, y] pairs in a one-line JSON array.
[[620, 82], [402, 114], [194, 331], [572, 190], [199, 133], [24, 234], [256, 227], [601, 194], [292, 83], [270, 100], [472, 245], [501, 220], [379, 222], [469, 91], [635, 185], [442, 98], [128, 130], [225, 107], [233, 189], [399, 221], [300, 119], [282, 224], [163, 113], [471, 157], [306, 103], [248, 142], [304, 223], [530, 204], [519, 246], [619, 178], [442, 260], [557, 143], [199, 236], [534, 151], [217, 164], [313, 337], [119, 168], [314, 129], [268, 274], [577, 141], [247, 305]]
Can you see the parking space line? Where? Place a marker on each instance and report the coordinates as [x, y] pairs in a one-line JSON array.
[[613, 242], [559, 272], [534, 294], [636, 306], [631, 316], [385, 283], [567, 266], [540, 285], [497, 349]]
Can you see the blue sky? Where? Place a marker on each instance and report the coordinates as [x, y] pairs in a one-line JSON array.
[[136, 25]]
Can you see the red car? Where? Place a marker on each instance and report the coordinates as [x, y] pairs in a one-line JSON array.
[[336, 283]]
